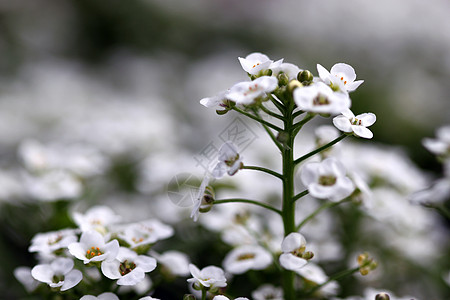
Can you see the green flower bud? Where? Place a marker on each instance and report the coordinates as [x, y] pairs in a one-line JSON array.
[[221, 112], [305, 77], [382, 296], [282, 137], [283, 79], [188, 297], [308, 255], [293, 84]]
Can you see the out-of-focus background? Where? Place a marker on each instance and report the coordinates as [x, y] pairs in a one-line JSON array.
[[124, 79]]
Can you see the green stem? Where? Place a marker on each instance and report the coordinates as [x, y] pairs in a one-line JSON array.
[[268, 171], [270, 133], [298, 113], [277, 103], [248, 201], [203, 293], [270, 113], [320, 149], [257, 119], [300, 195], [288, 209], [317, 211]]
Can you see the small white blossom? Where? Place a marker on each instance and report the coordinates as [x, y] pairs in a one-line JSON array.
[[247, 92], [229, 160], [96, 218], [327, 180], [145, 233], [222, 297], [320, 98], [49, 242], [247, 257], [177, 263], [23, 275], [293, 246], [267, 292], [53, 185], [341, 77], [313, 272], [128, 267], [92, 248], [290, 70], [347, 122], [441, 145], [257, 62], [214, 100], [211, 277], [199, 200], [58, 274], [104, 296]]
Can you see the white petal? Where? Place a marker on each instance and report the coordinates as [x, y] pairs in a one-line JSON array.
[[219, 170], [42, 273], [146, 263], [342, 189], [351, 86], [292, 262], [345, 70], [227, 150], [71, 279], [309, 173], [362, 131], [132, 278], [342, 123], [111, 269], [62, 265], [323, 73], [367, 119], [92, 238], [293, 241]]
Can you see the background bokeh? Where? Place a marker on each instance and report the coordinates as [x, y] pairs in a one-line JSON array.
[[126, 77]]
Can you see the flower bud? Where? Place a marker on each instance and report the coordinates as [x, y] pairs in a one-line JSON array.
[[188, 297], [282, 137], [283, 79], [308, 255], [221, 112], [305, 77], [382, 296], [293, 84]]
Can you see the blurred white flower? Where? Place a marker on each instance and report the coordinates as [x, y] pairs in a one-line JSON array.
[[49, 242], [247, 92], [247, 257], [229, 160], [314, 273], [289, 69], [23, 275], [347, 122], [104, 296], [96, 218], [438, 192], [58, 274], [340, 78], [257, 62], [53, 185], [293, 247], [145, 232], [320, 98], [214, 100], [441, 145], [92, 248], [211, 277], [148, 298], [222, 297], [176, 262], [199, 200], [128, 267], [327, 180], [268, 292]]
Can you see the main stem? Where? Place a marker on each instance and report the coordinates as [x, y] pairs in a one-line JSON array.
[[288, 208]]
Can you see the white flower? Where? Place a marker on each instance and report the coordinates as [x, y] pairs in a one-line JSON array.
[[229, 161], [148, 298], [247, 92], [92, 248], [313, 272], [320, 98], [199, 200], [257, 62], [439, 192], [293, 246], [247, 257], [441, 145], [104, 296], [177, 263], [23, 275], [53, 185], [128, 267], [59, 273], [267, 292], [96, 218], [327, 180], [222, 297], [214, 100], [341, 77], [290, 70], [210, 277], [47, 243], [145, 233], [347, 122]]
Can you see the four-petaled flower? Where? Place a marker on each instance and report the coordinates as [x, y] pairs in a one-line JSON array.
[[327, 180], [210, 277], [246, 92], [58, 274], [229, 161], [128, 267], [347, 122], [294, 256], [256, 62], [92, 248], [247, 257], [340, 78], [320, 98]]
